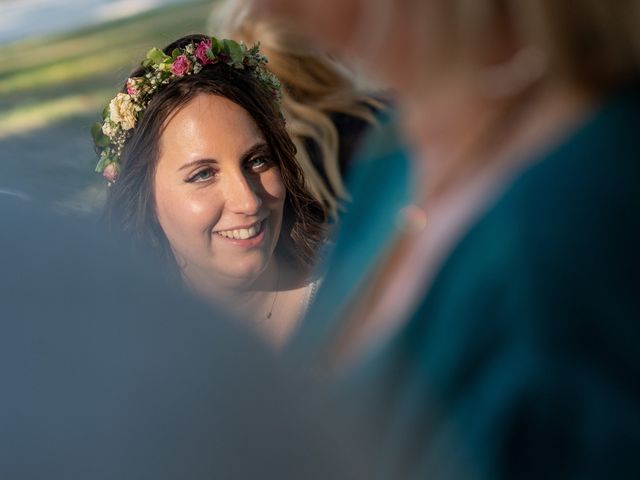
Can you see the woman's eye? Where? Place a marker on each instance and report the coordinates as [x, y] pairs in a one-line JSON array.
[[202, 175], [259, 164]]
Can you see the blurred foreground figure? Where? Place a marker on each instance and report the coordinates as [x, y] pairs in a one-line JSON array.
[[108, 372], [482, 302]]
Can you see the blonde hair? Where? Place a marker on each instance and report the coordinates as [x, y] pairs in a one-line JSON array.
[[505, 52], [315, 86], [592, 44]]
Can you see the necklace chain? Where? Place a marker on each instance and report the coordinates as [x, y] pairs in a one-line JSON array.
[[275, 296]]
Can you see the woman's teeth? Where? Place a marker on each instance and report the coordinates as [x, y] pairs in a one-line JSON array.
[[242, 233]]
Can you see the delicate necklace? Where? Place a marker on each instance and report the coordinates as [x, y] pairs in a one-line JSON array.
[[275, 296]]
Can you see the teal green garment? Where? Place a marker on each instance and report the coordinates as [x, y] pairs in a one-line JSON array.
[[523, 359], [380, 183]]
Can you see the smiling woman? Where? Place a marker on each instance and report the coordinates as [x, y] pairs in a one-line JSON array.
[[202, 169]]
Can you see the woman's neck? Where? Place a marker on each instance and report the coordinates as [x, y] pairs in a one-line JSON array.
[[250, 298], [273, 303], [243, 295], [478, 135]]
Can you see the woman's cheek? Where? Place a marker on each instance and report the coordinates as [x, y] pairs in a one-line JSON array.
[[195, 207], [274, 186]]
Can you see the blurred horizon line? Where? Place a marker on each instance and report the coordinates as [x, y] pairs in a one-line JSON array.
[[24, 19]]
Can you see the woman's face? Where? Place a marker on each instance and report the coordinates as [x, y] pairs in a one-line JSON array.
[[219, 194]]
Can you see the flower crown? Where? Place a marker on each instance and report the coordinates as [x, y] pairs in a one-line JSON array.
[[123, 112]]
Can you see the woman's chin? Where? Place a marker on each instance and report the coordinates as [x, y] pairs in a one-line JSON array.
[[242, 277]]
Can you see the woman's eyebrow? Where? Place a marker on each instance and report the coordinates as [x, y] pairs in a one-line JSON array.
[[200, 161], [259, 147]]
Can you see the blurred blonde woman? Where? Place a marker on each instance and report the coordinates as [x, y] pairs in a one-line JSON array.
[[495, 334], [327, 110]]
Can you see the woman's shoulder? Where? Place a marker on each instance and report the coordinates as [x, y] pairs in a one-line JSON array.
[[567, 226]]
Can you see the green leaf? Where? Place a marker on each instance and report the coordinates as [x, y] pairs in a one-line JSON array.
[[215, 47], [99, 138], [176, 53], [157, 56], [96, 130], [103, 141], [224, 46], [106, 112], [235, 51], [102, 164]]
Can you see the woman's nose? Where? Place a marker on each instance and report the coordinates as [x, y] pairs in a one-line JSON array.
[[242, 195]]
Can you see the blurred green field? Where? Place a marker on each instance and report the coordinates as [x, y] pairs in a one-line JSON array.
[[52, 89]]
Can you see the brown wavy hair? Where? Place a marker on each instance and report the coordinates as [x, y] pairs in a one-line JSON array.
[[131, 206]]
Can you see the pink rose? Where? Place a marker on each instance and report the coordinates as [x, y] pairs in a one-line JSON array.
[[111, 172], [201, 52], [131, 87], [180, 66]]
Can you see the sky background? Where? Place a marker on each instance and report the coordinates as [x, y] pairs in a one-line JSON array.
[[21, 19]]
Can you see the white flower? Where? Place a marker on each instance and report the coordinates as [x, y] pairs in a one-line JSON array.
[[109, 129], [122, 111]]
